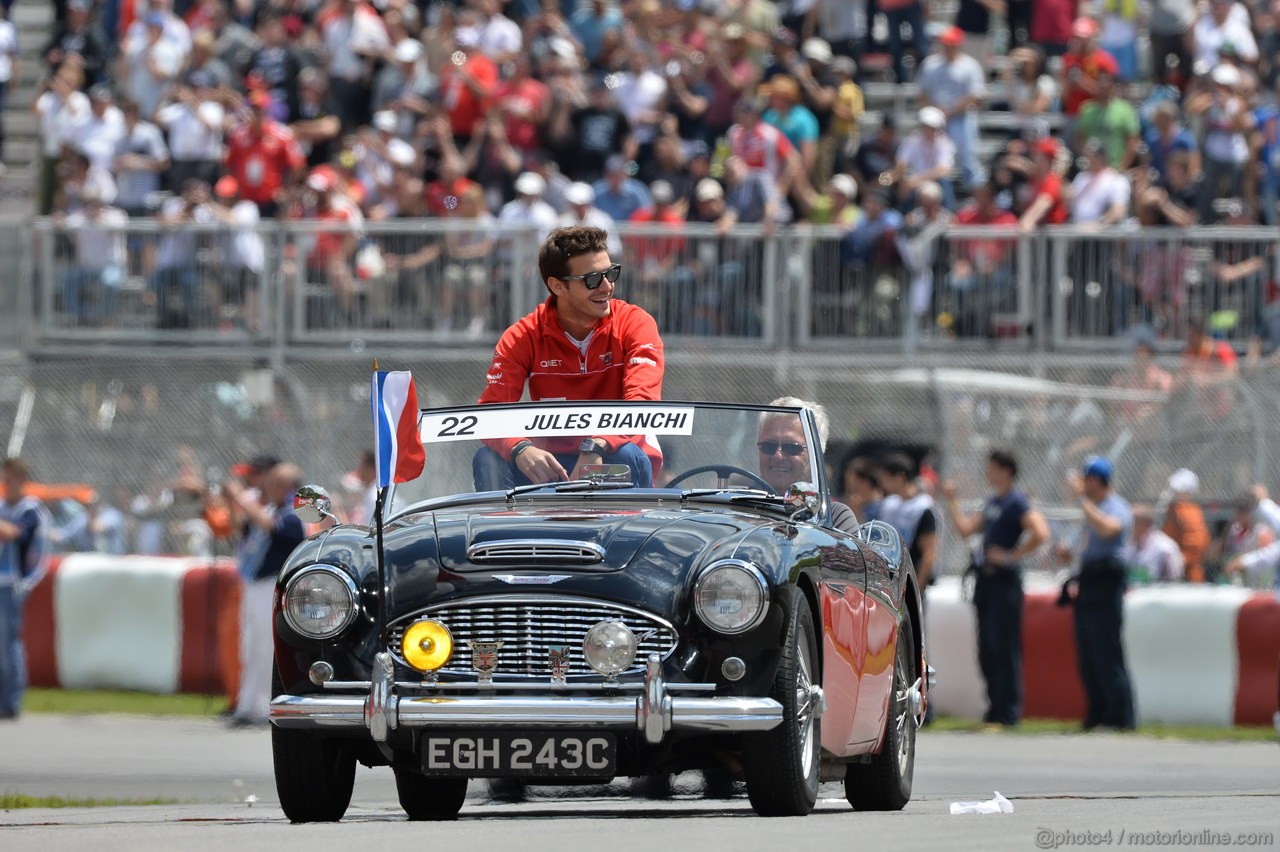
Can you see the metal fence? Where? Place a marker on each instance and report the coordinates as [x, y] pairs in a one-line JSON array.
[[447, 282]]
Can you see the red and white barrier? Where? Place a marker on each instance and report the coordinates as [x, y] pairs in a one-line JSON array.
[[1206, 655], [153, 624]]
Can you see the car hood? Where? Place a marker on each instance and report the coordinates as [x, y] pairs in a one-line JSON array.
[[640, 555]]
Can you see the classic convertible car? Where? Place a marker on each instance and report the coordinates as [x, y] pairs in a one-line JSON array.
[[586, 629]]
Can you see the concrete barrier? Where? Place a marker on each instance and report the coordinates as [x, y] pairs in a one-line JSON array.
[[1207, 655], [153, 624]]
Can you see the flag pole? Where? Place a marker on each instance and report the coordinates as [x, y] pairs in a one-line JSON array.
[[379, 561]]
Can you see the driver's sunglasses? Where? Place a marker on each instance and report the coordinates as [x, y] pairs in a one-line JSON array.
[[768, 448], [593, 280]]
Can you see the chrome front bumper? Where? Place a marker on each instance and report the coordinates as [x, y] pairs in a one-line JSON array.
[[654, 712]]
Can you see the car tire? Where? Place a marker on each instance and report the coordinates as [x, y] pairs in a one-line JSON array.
[[429, 799], [314, 774], [781, 765], [884, 784]]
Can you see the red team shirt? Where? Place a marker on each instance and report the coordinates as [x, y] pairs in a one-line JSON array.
[[624, 361], [260, 163]]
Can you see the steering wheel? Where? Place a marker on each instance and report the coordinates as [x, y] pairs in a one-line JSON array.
[[723, 472]]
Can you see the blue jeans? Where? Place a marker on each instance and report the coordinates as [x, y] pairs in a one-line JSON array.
[[175, 291], [492, 472], [13, 660], [963, 130], [100, 285], [911, 14]]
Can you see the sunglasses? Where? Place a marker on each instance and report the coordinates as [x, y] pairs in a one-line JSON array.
[[594, 279], [768, 448]]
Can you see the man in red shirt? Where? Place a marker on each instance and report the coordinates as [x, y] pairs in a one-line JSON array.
[[1083, 62], [467, 86], [582, 344], [263, 156], [1046, 205]]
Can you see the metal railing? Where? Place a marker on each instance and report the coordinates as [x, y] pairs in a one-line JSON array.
[[430, 281]]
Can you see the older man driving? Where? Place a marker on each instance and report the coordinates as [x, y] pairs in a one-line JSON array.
[[784, 453]]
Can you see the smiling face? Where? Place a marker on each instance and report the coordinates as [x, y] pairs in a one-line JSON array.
[[578, 307], [777, 468]]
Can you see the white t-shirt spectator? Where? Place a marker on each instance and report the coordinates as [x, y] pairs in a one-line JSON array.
[[144, 87], [59, 119], [1160, 556], [1093, 193], [176, 33], [244, 248], [919, 155], [500, 37], [99, 239], [1210, 37], [948, 83], [178, 245], [638, 96], [8, 50], [538, 215], [1222, 142], [346, 38], [134, 185], [193, 136], [97, 138]]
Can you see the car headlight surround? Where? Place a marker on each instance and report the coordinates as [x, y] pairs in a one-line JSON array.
[[731, 596], [320, 602]]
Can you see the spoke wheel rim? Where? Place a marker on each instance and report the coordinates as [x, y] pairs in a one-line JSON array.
[[902, 709], [805, 706]]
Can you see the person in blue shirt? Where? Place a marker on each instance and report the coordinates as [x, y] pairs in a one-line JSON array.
[[23, 549], [1011, 531], [1267, 139], [1098, 594]]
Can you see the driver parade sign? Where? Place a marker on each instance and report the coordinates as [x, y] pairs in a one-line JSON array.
[[552, 421]]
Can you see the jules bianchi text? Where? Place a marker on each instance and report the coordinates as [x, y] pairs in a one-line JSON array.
[[1049, 838]]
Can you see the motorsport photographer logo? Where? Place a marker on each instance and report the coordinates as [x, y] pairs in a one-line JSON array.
[[1048, 838]]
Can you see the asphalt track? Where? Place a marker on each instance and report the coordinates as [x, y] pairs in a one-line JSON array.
[[1099, 790]]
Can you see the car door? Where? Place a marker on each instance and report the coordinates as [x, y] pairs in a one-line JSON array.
[[880, 633], [842, 597]]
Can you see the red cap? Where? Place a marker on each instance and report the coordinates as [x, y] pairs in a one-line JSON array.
[[226, 186], [1048, 147], [242, 469], [1084, 28], [951, 37]]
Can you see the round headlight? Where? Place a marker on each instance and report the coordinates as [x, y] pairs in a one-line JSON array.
[[427, 645], [320, 602], [610, 648], [731, 596]]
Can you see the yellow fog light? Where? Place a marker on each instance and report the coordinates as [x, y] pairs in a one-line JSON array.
[[427, 645]]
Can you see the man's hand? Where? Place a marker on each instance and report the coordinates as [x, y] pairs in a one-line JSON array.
[[949, 490], [1258, 492], [9, 531], [540, 466], [1075, 482], [1235, 566]]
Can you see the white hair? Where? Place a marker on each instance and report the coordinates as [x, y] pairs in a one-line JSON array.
[[820, 416]]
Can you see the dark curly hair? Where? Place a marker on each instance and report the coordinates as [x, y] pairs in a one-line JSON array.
[[565, 243]]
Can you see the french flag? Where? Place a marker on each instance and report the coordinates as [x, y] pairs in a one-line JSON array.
[[396, 442]]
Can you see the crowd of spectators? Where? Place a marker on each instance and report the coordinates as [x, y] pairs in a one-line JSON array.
[[659, 111]]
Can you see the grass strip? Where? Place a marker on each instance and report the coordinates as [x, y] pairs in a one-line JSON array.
[[113, 701], [16, 801], [1198, 733]]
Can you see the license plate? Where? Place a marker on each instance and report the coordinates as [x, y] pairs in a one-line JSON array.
[[519, 754]]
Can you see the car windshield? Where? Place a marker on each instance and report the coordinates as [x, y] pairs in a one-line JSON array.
[[681, 445]]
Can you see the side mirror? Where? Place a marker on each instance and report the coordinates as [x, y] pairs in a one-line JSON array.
[[312, 504], [803, 500], [883, 539]]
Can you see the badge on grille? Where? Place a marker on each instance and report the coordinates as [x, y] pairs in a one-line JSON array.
[[484, 659], [559, 658]]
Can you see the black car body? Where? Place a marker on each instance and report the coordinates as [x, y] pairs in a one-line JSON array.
[[754, 635]]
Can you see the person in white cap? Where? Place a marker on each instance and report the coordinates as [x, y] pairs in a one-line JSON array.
[[527, 210], [1184, 522], [89, 288], [378, 154], [836, 206], [405, 87], [927, 154], [581, 199], [1227, 122]]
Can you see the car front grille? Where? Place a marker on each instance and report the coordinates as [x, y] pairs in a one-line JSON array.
[[539, 552], [528, 627]]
